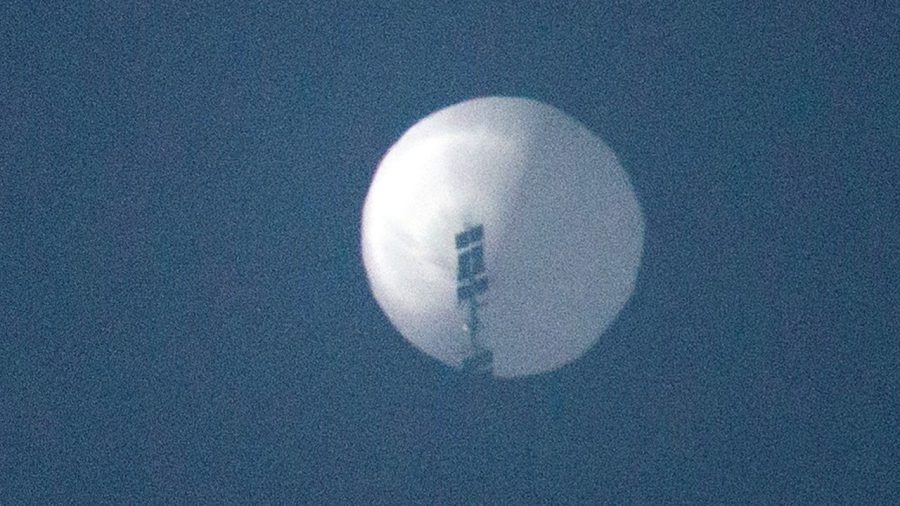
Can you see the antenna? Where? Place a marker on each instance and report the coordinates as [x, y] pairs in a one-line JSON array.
[[472, 283]]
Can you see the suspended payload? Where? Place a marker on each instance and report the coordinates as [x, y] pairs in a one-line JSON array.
[[501, 235]]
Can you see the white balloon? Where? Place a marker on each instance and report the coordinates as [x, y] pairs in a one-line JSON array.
[[563, 233]]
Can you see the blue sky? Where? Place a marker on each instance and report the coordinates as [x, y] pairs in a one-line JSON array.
[[185, 316]]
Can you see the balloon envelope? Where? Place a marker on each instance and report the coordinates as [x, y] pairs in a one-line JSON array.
[[563, 233]]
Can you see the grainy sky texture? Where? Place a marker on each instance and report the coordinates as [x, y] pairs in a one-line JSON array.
[[184, 315]]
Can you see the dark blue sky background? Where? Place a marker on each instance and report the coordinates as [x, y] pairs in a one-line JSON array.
[[184, 315]]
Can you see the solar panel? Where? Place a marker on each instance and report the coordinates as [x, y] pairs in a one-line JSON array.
[[480, 285], [476, 260], [470, 263], [476, 233], [469, 236], [462, 240], [464, 270], [470, 290]]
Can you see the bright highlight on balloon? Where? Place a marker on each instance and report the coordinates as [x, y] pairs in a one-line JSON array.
[[501, 235]]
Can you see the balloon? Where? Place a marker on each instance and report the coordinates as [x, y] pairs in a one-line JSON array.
[[509, 211]]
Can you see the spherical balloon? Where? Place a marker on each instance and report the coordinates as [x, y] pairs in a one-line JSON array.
[[543, 202]]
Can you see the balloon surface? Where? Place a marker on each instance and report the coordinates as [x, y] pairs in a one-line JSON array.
[[562, 233]]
